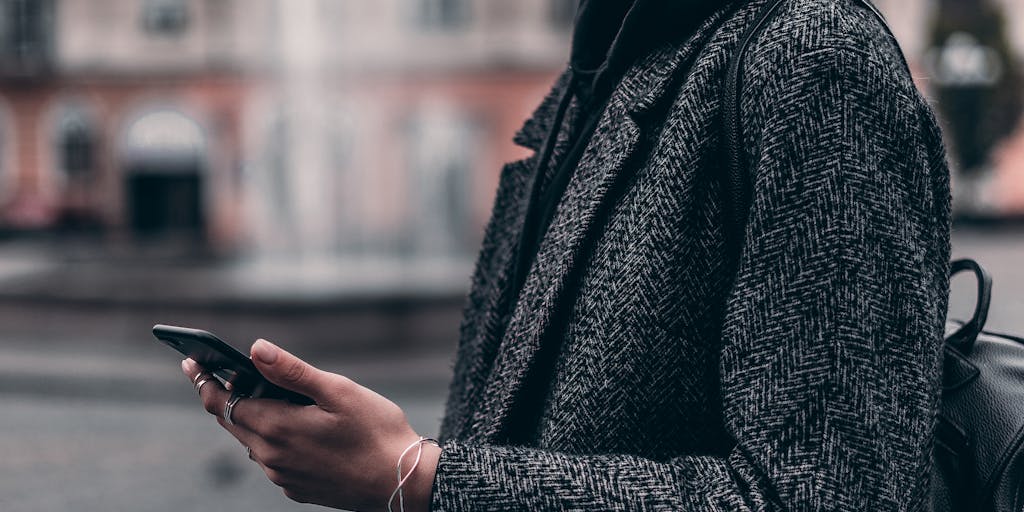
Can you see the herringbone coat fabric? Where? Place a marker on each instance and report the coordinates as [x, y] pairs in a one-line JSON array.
[[645, 368]]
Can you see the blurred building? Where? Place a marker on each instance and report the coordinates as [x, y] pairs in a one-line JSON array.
[[312, 127], [123, 117], [389, 120]]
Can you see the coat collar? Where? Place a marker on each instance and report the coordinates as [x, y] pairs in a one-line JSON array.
[[606, 165], [635, 95]]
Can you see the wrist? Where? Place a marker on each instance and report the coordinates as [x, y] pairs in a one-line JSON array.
[[418, 488]]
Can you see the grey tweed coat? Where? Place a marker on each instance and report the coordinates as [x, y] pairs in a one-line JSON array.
[[640, 369]]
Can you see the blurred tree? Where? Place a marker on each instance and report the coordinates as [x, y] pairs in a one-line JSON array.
[[978, 78]]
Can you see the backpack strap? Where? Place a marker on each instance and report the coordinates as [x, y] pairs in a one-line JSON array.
[[738, 183], [964, 337]]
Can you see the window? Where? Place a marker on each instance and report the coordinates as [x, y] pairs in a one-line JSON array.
[[443, 14], [26, 31], [278, 157], [25, 27], [76, 146], [442, 145], [165, 17], [347, 181], [8, 156]]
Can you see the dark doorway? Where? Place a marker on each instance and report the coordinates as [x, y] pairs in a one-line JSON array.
[[166, 205]]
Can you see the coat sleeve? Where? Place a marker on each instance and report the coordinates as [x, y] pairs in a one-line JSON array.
[[830, 347]]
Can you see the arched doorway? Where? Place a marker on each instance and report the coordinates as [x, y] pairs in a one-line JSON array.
[[164, 162], [72, 162]]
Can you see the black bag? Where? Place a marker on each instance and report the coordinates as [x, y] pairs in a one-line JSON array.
[[979, 438], [978, 441]]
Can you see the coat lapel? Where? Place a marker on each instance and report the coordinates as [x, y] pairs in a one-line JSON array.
[[484, 316], [604, 169]]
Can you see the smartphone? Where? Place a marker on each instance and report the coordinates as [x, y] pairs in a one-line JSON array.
[[225, 362]]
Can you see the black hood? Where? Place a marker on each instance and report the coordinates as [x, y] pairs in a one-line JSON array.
[[609, 35]]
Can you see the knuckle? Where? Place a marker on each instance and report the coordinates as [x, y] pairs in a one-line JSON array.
[[344, 384], [338, 387], [296, 372], [273, 431], [394, 412], [273, 458], [275, 476], [341, 381], [211, 405], [295, 495]]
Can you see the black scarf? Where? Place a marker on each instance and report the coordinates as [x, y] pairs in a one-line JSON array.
[[609, 35]]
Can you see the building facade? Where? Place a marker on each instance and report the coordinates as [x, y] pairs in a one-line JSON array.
[[123, 117], [264, 126], [319, 128]]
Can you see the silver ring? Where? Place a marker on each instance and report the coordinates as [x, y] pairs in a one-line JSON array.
[[199, 385], [229, 407], [248, 451], [195, 379]]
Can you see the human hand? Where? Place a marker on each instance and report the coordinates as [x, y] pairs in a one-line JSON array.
[[340, 452]]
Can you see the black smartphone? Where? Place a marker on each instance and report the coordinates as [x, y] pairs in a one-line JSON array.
[[225, 362]]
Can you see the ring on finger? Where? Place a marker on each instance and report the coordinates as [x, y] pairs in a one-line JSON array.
[[229, 407], [200, 384], [248, 451], [195, 380]]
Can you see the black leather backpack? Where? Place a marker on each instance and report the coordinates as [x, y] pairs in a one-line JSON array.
[[979, 438], [979, 455]]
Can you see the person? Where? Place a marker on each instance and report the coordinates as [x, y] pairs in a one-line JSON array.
[[614, 355]]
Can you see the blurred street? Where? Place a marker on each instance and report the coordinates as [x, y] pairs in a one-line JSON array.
[[319, 173], [101, 455], [105, 425], [93, 434]]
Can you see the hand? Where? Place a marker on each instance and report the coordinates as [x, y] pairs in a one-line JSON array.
[[340, 452]]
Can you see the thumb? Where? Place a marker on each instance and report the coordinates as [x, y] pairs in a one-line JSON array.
[[284, 369]]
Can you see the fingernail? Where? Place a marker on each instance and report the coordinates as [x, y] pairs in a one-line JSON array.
[[188, 365], [265, 351]]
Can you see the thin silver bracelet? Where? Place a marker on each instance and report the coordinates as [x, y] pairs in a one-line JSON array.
[[418, 444]]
